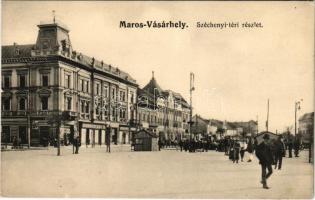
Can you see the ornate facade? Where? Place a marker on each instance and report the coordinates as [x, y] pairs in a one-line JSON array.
[[47, 81], [164, 112]]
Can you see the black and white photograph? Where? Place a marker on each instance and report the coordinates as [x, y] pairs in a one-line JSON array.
[[157, 100]]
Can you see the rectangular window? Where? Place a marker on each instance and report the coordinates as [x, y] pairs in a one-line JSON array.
[[87, 86], [22, 104], [22, 81], [67, 80], [7, 82], [6, 104], [131, 97], [106, 111], [87, 107], [106, 91], [82, 106], [113, 93], [122, 96], [45, 80], [69, 102], [82, 85], [97, 89], [44, 103]]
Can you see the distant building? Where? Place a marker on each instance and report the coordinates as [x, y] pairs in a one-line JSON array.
[[47, 79], [306, 126], [164, 112], [223, 128]]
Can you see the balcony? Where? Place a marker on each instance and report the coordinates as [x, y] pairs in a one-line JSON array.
[[14, 113], [85, 116]]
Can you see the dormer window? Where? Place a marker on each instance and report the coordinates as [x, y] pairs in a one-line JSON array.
[[17, 51]]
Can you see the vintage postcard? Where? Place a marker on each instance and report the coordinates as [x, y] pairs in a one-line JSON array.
[[181, 99]]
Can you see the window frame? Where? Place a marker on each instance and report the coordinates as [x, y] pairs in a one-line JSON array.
[[42, 80], [42, 104], [25, 105]]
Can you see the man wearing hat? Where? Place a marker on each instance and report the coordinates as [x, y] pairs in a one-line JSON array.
[[264, 154]]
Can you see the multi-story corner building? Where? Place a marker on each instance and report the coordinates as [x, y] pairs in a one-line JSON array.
[[306, 127], [164, 112], [48, 79]]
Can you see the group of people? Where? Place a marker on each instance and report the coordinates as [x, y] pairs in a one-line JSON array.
[[191, 145], [236, 149], [269, 152]]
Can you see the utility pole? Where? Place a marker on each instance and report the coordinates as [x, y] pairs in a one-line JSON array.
[[29, 109], [297, 107], [267, 122], [257, 123], [192, 88]]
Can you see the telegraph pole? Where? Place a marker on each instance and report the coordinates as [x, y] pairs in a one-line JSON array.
[[297, 107], [267, 122], [192, 88]]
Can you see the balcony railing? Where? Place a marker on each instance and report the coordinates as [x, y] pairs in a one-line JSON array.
[[13, 113], [84, 116], [36, 113]]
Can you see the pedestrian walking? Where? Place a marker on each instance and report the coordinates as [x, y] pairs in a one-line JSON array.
[[290, 144], [107, 142], [243, 146], [296, 146], [250, 149], [264, 154], [236, 148], [181, 144], [279, 152], [231, 150], [76, 144], [160, 144]]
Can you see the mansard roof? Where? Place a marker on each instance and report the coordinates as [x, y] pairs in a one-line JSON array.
[[33, 52], [24, 52], [307, 116], [17, 51]]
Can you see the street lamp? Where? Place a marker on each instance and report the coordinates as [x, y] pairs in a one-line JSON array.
[[297, 107]]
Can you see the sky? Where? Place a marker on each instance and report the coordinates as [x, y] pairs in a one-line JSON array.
[[236, 69]]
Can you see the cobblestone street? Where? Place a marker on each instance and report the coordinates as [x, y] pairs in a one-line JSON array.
[[164, 174]]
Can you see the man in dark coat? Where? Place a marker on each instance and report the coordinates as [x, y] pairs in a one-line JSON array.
[[76, 144], [250, 149], [290, 144], [264, 154], [279, 152], [296, 146]]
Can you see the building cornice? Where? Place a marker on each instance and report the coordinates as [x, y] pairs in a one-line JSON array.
[[56, 58]]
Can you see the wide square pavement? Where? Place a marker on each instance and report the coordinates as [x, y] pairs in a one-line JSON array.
[[164, 174]]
